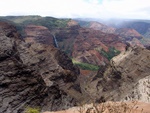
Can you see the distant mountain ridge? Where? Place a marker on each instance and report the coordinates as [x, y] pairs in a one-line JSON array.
[[132, 28]]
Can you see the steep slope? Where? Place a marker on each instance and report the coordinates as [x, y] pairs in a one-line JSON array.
[[34, 75], [40, 34], [88, 45], [94, 47], [140, 91], [101, 27], [126, 33], [141, 26], [114, 82], [139, 60], [130, 35], [118, 79]]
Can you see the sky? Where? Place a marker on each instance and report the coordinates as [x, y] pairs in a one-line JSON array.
[[104, 9]]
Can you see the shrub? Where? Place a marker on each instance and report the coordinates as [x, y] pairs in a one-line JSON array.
[[110, 54], [111, 107], [85, 66], [32, 110]]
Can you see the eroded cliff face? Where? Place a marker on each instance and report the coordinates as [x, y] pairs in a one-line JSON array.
[[34, 74], [90, 45], [141, 91], [39, 34], [86, 45], [126, 73]]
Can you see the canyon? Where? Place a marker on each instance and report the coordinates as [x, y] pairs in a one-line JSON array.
[[37, 64]]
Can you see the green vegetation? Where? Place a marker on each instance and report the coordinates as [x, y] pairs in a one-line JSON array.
[[83, 23], [32, 110], [85, 66], [49, 22], [110, 54], [21, 21]]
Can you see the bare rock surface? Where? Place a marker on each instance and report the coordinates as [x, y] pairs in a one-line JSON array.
[[39, 34], [115, 81], [141, 91], [30, 74], [109, 107]]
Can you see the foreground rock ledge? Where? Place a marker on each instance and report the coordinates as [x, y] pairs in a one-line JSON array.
[[109, 107]]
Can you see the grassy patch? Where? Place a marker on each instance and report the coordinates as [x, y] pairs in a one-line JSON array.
[[110, 54], [85, 66], [32, 110]]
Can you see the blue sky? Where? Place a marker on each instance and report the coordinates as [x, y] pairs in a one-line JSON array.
[[137, 9]]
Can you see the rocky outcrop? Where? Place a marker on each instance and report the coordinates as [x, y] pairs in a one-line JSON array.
[[141, 91], [109, 107], [133, 65], [39, 34], [34, 74], [118, 79]]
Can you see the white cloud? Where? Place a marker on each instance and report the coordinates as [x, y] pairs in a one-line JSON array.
[[127, 8], [78, 8]]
